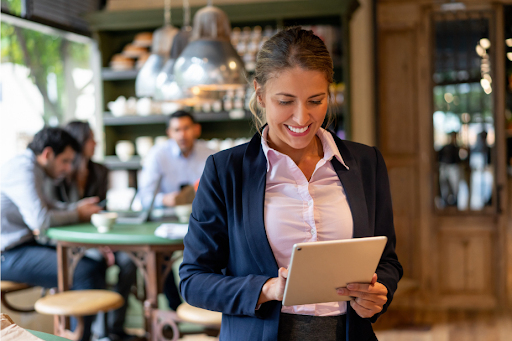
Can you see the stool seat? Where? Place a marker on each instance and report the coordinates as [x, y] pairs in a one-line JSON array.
[[188, 313], [7, 286], [79, 302]]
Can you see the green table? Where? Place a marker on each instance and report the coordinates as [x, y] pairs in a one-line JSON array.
[[46, 336], [151, 254]]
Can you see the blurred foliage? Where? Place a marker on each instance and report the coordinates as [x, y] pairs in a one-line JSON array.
[[43, 54], [12, 6]]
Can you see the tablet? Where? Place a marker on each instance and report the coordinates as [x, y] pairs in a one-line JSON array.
[[318, 268]]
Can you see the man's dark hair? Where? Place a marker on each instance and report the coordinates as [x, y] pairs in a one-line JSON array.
[[56, 138], [180, 114]]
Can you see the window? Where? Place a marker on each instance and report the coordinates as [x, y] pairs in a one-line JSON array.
[[47, 79]]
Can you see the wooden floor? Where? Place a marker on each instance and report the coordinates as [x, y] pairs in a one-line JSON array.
[[444, 326]]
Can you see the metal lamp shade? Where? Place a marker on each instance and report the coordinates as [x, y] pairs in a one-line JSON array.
[[209, 64], [145, 83]]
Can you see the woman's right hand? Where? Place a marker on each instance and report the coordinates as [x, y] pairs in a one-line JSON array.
[[273, 289]]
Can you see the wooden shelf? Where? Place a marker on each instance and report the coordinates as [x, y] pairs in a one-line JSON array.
[[107, 74], [110, 120], [238, 12]]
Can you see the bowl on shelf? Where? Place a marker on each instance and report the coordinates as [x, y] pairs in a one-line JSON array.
[[104, 221], [124, 150], [183, 212]]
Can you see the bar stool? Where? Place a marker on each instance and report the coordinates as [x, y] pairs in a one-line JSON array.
[[8, 287], [210, 319], [77, 303]]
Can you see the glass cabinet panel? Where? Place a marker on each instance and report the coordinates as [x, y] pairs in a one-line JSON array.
[[463, 117]]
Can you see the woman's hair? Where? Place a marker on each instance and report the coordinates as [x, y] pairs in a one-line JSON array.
[[81, 131], [290, 48]]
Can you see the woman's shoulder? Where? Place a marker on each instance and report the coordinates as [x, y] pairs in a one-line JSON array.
[[228, 157], [97, 168]]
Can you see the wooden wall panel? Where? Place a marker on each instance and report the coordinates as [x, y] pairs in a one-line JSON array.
[[397, 92], [465, 263], [402, 182]]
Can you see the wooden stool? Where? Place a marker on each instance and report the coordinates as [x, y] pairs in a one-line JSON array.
[[210, 319], [77, 303], [8, 287]]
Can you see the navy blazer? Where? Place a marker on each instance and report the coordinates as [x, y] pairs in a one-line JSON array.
[[228, 258]]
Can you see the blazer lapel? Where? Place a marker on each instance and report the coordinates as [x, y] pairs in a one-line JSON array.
[[353, 185], [253, 203]]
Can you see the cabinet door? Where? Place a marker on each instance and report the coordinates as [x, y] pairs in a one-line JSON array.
[[439, 98]]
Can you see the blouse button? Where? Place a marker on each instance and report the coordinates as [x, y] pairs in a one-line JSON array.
[[310, 203]]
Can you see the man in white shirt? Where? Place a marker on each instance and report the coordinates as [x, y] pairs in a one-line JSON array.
[[179, 161], [27, 212]]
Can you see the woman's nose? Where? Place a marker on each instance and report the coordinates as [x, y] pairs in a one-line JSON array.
[[301, 115]]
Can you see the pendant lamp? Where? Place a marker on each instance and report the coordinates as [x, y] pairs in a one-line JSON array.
[[209, 62], [163, 38], [166, 88]]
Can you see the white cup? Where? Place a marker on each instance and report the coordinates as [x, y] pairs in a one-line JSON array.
[[143, 145], [104, 221]]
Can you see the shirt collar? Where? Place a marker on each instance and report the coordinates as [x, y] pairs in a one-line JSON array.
[[328, 145], [176, 151]]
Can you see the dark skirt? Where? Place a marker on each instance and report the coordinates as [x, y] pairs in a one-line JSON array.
[[305, 327]]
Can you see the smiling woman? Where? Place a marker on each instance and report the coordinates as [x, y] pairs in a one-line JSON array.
[[294, 182]]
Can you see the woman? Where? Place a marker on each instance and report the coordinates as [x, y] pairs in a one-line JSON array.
[[90, 179], [295, 182]]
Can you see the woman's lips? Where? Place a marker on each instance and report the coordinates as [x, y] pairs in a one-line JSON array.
[[298, 131]]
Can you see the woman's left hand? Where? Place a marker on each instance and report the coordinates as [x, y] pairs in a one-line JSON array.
[[368, 299]]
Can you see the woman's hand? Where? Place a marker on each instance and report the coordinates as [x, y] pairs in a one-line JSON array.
[[369, 298], [273, 289]]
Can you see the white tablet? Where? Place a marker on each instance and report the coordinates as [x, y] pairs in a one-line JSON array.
[[318, 268]]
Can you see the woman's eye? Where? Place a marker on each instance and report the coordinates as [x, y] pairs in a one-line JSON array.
[[316, 102], [284, 102]]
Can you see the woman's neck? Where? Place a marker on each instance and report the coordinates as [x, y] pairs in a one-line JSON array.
[[314, 151]]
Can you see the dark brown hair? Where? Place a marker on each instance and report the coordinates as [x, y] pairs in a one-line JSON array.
[[289, 48]]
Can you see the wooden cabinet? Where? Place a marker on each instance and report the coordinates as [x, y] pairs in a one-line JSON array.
[[461, 260]]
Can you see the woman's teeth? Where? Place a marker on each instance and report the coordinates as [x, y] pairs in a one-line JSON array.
[[298, 130]]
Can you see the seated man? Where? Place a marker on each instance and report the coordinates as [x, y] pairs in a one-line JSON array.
[[180, 163], [27, 212]]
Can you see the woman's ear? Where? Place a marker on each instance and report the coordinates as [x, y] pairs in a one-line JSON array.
[[259, 94]]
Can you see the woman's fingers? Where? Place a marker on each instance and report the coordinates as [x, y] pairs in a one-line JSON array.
[[363, 311], [375, 298]]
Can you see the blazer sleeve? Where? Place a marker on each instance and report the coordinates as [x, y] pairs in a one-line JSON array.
[[206, 255], [389, 271]]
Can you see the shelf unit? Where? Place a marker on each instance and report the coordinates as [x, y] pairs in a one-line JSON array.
[[114, 29]]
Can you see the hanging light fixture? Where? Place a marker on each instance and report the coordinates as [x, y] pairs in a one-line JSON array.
[[209, 62], [166, 88], [145, 83]]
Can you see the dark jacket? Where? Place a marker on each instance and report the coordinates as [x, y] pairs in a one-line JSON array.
[[228, 258], [96, 185]]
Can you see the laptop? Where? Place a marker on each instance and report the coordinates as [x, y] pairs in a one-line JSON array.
[[318, 268], [138, 217]]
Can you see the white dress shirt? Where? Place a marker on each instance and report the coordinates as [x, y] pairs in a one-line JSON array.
[[166, 160], [298, 210]]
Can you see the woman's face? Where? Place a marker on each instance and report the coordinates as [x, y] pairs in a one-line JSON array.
[[296, 103], [89, 146]]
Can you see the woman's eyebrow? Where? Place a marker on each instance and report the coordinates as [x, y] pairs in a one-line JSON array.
[[290, 95]]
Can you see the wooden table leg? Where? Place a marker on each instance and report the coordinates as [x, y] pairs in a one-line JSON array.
[[151, 302], [62, 323]]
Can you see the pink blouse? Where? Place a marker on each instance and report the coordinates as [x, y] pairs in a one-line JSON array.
[[300, 211]]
